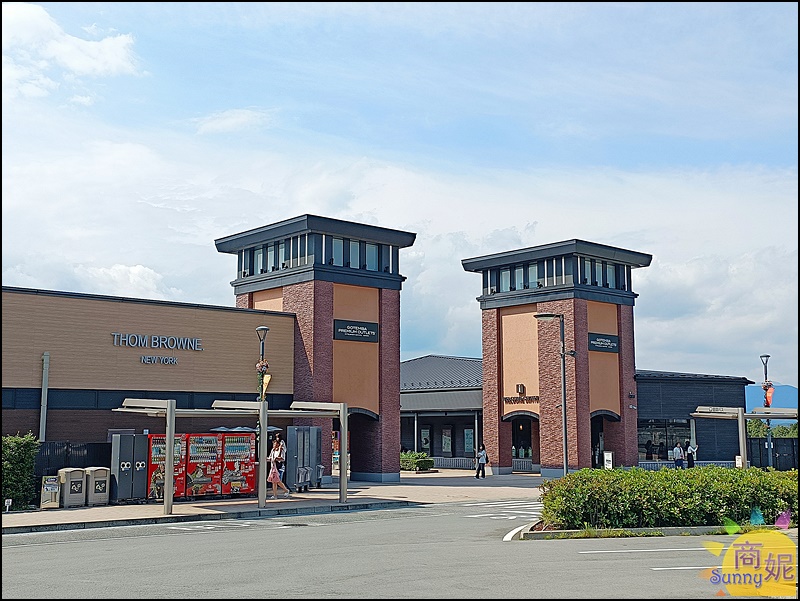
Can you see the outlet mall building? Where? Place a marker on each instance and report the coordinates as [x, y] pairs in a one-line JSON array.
[[329, 292]]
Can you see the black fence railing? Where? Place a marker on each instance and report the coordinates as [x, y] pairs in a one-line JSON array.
[[54, 455], [784, 453]]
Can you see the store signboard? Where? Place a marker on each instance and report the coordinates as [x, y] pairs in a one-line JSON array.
[[358, 331], [605, 343]]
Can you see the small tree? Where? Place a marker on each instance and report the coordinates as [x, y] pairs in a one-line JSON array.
[[19, 466], [756, 428]]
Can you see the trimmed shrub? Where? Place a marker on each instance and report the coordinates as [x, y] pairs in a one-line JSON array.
[[410, 461], [637, 498], [19, 466]]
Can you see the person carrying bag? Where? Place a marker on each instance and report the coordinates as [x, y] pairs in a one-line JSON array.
[[274, 477]]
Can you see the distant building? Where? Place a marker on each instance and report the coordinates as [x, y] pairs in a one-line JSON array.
[[441, 399]]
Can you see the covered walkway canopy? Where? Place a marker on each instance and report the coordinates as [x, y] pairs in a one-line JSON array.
[[167, 409]]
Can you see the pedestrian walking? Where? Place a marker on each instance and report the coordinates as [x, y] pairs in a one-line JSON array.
[[678, 455], [691, 453], [275, 457], [481, 459], [282, 461]]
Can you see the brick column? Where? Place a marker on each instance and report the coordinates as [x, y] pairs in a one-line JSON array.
[[312, 302], [496, 433], [551, 426]]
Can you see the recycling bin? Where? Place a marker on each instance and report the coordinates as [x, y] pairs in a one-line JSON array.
[[98, 484], [73, 489]]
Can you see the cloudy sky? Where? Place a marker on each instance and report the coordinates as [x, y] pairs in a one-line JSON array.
[[135, 134]]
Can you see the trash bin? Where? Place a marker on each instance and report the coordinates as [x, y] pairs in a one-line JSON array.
[[73, 489], [98, 481]]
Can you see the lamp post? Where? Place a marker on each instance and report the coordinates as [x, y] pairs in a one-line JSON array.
[[261, 331], [563, 353], [767, 403]]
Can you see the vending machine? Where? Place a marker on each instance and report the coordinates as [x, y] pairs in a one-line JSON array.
[[239, 464], [155, 466], [203, 465]]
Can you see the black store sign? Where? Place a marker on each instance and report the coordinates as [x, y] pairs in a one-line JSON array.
[[358, 331], [604, 342]]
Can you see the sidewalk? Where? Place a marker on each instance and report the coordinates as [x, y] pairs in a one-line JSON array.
[[444, 486]]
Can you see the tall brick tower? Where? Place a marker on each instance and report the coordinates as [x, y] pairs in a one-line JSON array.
[[587, 285], [342, 281]]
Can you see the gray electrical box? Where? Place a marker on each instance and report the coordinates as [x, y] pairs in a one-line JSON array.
[[98, 485], [129, 456], [73, 486], [303, 457]]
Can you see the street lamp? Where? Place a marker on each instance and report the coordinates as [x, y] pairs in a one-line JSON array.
[[767, 386], [261, 331], [564, 353]]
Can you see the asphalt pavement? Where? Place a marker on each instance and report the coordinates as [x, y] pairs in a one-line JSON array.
[[444, 486]]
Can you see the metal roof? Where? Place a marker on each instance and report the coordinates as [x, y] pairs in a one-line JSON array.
[[644, 374], [313, 224], [557, 249], [437, 372]]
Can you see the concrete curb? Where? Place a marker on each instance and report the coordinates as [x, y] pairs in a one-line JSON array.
[[174, 519], [665, 531]]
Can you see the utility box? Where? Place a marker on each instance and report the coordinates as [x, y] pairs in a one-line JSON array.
[[73, 489], [98, 485]]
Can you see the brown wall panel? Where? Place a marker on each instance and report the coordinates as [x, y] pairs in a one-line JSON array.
[[77, 332], [355, 302], [603, 382], [602, 318], [603, 367], [355, 364], [268, 300], [520, 362], [355, 374]]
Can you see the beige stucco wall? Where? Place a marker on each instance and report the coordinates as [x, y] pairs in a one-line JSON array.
[[355, 364], [604, 393], [519, 365]]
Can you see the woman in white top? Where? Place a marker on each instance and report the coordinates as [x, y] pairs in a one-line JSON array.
[[481, 459], [691, 453]]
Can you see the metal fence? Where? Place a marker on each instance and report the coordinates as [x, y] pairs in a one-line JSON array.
[[784, 453], [54, 455]]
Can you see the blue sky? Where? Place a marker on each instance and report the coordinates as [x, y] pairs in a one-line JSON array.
[[135, 134]]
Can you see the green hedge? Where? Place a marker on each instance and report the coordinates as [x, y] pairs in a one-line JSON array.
[[637, 498], [412, 461], [19, 466]]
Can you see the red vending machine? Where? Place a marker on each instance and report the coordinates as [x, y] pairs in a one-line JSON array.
[[155, 468], [239, 464], [203, 465]]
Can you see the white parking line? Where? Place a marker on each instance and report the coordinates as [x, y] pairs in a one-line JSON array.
[[641, 550]]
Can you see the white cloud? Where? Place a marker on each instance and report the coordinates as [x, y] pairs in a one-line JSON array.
[[37, 53], [233, 120], [124, 204]]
